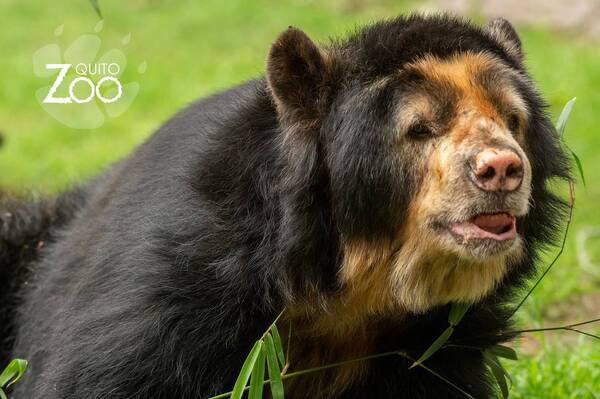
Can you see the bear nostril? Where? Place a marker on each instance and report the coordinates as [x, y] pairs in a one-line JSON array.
[[497, 169], [488, 173], [514, 170]]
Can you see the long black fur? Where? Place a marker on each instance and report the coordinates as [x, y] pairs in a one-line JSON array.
[[26, 228], [177, 258]]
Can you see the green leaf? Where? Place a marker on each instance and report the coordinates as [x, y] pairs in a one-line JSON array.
[[12, 372], [2, 394], [437, 344], [457, 312], [579, 166], [498, 372], [564, 115], [257, 378], [278, 345], [274, 372], [247, 367], [96, 6], [560, 128], [504, 352]]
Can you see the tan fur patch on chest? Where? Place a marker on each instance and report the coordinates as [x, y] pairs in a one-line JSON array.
[[343, 326]]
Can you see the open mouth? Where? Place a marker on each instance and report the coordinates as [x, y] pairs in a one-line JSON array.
[[495, 226]]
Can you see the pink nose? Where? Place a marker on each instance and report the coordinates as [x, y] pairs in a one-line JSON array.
[[497, 169]]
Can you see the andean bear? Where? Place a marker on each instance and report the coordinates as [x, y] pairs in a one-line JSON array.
[[363, 186]]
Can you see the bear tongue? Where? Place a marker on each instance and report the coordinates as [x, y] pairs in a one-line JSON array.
[[497, 226], [496, 223]]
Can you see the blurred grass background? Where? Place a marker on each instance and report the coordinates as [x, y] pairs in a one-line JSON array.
[[196, 48]]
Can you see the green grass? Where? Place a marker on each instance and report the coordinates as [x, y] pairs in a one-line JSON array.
[[558, 372], [195, 48]]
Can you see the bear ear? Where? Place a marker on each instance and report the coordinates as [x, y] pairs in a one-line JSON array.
[[503, 32], [297, 74]]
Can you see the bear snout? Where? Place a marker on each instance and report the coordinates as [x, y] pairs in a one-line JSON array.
[[496, 170]]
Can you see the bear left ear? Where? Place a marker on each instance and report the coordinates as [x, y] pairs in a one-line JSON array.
[[504, 33], [297, 75]]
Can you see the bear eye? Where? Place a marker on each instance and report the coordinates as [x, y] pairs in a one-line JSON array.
[[513, 123], [419, 131]]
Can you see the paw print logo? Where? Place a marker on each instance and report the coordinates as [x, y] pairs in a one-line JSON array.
[[85, 87]]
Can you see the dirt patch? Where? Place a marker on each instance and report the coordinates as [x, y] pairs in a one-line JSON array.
[[580, 16], [576, 309]]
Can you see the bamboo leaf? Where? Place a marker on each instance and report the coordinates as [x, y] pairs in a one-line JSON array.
[[273, 366], [257, 377], [560, 128], [457, 312], [247, 367], [288, 343], [96, 7], [278, 345], [435, 346], [498, 372], [12, 372], [579, 166], [564, 115], [504, 352]]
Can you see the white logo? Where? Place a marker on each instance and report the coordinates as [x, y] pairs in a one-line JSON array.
[[85, 83], [82, 69]]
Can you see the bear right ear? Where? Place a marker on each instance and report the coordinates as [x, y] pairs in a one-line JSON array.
[[297, 74]]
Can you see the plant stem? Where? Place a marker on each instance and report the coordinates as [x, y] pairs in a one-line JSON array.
[[272, 324], [287, 350], [562, 248], [567, 327], [462, 347], [468, 395], [584, 333], [342, 363], [359, 359]]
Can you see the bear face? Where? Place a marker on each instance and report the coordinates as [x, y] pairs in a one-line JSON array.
[[474, 180], [448, 125], [427, 155]]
